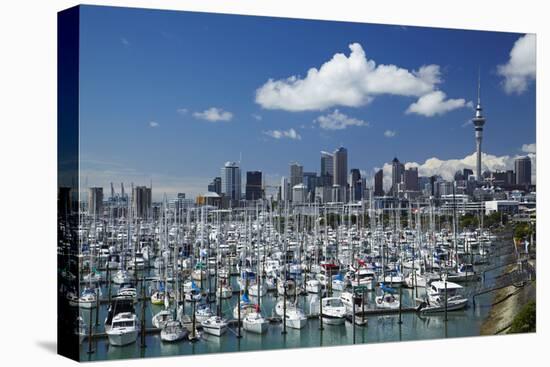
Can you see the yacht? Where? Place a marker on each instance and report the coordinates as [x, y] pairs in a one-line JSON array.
[[173, 331], [364, 277], [436, 297], [388, 300], [203, 313], [127, 291], [214, 325], [465, 273], [253, 290], [255, 322], [333, 311], [313, 286], [224, 292], [161, 319], [295, 318], [121, 277], [88, 299], [349, 300], [124, 329]]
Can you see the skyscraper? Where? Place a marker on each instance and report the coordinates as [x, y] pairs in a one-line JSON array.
[[253, 185], [231, 181], [95, 201], [379, 183], [215, 185], [311, 181], [285, 195], [296, 176], [522, 167], [355, 185], [478, 121], [397, 169], [340, 168], [327, 169], [410, 178], [142, 202]]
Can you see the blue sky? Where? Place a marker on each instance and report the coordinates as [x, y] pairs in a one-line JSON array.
[[170, 96]]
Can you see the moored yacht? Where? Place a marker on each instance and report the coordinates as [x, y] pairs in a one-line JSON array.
[[214, 325], [124, 329]]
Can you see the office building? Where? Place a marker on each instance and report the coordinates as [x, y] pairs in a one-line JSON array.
[[253, 189]]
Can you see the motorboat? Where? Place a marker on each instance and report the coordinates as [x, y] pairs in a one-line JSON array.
[[127, 291], [333, 311], [254, 322], [124, 329], [438, 291], [214, 325]]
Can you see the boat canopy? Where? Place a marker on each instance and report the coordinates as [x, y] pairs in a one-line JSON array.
[[441, 285]]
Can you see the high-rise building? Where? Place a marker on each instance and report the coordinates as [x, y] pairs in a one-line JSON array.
[[397, 169], [299, 193], [231, 181], [356, 190], [253, 185], [340, 167], [522, 167], [95, 201], [327, 169], [142, 202], [296, 176], [285, 194], [466, 172], [215, 185], [410, 178], [379, 183], [311, 182], [479, 122]]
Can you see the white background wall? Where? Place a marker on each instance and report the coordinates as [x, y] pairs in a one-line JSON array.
[[28, 183]]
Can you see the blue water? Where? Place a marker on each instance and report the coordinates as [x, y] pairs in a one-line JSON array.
[[379, 329]]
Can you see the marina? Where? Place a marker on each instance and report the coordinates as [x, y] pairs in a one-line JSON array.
[[188, 257]]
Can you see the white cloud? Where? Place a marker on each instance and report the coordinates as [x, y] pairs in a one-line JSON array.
[[182, 111], [153, 124], [257, 117], [350, 81], [214, 114], [529, 148], [447, 168], [521, 68], [281, 134], [125, 41], [390, 133], [338, 121], [434, 103]]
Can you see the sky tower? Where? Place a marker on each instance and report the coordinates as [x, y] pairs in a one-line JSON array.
[[478, 122]]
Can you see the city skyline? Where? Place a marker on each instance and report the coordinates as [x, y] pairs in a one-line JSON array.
[[141, 128]]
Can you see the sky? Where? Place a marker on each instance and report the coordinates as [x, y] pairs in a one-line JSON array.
[[168, 97]]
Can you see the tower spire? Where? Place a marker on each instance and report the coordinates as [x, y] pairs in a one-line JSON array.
[[478, 87]]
